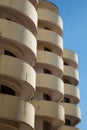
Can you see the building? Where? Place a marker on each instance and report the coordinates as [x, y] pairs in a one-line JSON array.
[[38, 77]]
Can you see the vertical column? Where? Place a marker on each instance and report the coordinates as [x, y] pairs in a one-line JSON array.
[[18, 48], [49, 69]]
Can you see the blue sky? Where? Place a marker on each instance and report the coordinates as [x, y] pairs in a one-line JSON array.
[[74, 14]]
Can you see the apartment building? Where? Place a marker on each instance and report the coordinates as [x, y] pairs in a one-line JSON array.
[[38, 77]]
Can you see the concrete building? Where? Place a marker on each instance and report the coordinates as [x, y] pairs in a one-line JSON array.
[[38, 77]]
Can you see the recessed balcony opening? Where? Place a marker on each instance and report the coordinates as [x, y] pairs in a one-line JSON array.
[[9, 53], [67, 122], [9, 19], [47, 28], [46, 125], [46, 97], [47, 49], [47, 71], [66, 81], [6, 90], [66, 63], [67, 100]]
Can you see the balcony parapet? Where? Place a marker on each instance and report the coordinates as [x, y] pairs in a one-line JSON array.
[[22, 12]]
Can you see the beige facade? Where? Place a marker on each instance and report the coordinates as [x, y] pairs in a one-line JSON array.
[[38, 77]]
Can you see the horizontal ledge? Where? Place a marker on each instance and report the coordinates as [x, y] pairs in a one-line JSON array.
[[19, 41], [70, 58], [50, 111], [50, 20], [18, 75], [16, 113], [20, 12], [50, 61], [51, 40], [50, 84]]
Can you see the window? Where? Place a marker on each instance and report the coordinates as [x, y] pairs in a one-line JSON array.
[[46, 126], [66, 100], [47, 71], [47, 49], [67, 122], [65, 63], [6, 90], [46, 97], [9, 53], [66, 81]]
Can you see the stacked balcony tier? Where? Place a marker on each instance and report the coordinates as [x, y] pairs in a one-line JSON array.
[[50, 19], [51, 85], [50, 112], [20, 11], [15, 113], [18, 40], [51, 40], [50, 61]]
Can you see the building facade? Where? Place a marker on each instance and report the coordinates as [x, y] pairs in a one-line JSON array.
[[38, 76]]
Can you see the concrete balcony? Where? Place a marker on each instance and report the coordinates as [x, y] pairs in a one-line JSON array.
[[72, 112], [48, 5], [17, 75], [15, 113], [51, 85], [50, 112], [50, 61], [51, 40], [19, 41], [71, 75], [50, 20], [68, 128], [70, 58], [72, 93], [22, 12]]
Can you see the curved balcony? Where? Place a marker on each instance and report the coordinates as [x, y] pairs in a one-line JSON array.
[[19, 41], [22, 12], [51, 85], [70, 58], [15, 113], [50, 20], [50, 61], [48, 5], [18, 75], [51, 40], [72, 93], [50, 112], [72, 112], [71, 75], [69, 128]]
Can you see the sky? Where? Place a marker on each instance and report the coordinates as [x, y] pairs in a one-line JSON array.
[[74, 15]]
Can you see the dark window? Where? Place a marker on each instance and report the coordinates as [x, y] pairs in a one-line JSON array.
[[9, 53], [66, 100], [46, 28], [66, 81], [47, 49], [6, 90], [47, 71], [67, 122], [46, 97], [65, 63], [46, 126], [8, 19]]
